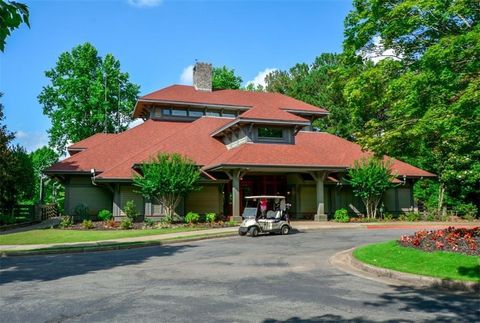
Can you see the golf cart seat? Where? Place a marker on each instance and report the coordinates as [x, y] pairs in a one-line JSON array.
[[278, 215], [271, 214]]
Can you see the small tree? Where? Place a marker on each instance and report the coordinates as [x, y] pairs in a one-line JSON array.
[[166, 179], [370, 178]]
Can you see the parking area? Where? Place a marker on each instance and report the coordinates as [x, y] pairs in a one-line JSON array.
[[241, 279]]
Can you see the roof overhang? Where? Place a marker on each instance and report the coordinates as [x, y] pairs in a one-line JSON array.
[[241, 120], [275, 168], [306, 112], [142, 103]]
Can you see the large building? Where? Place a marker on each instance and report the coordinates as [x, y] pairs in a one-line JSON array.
[[246, 143]]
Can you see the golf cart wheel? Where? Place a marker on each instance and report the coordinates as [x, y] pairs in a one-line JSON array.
[[253, 231], [285, 230], [242, 233]]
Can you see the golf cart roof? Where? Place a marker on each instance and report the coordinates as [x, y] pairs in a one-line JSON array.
[[264, 197]]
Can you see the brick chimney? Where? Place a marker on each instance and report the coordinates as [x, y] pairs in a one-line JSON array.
[[202, 77]]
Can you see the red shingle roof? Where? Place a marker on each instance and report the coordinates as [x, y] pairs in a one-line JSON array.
[[91, 141], [115, 157], [261, 105]]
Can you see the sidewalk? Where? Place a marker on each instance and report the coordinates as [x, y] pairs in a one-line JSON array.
[[223, 232]]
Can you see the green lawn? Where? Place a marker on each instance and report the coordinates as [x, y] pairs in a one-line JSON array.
[[61, 236], [440, 264]]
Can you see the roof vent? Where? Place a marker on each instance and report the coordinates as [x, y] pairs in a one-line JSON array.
[[202, 77]]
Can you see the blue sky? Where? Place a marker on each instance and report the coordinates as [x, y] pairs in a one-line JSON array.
[[156, 41]]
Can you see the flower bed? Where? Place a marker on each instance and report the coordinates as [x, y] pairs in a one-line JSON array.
[[460, 240]]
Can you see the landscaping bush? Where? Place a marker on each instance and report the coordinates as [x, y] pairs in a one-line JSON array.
[[388, 217], [412, 216], [131, 210], [66, 221], [7, 219], [148, 223], [126, 223], [88, 224], [467, 211], [104, 215], [341, 215], [111, 223], [210, 217], [192, 217], [459, 240], [231, 223], [81, 212]]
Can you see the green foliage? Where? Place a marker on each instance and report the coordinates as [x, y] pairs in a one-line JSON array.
[[231, 223], [43, 158], [66, 221], [6, 219], [225, 78], [104, 215], [126, 224], [412, 216], [192, 217], [388, 217], [148, 223], [87, 94], [81, 212], [370, 178], [467, 211], [12, 15], [210, 217], [341, 215], [167, 178], [131, 210], [88, 224]]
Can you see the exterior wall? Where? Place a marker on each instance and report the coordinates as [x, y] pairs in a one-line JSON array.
[[127, 194], [80, 190], [208, 199]]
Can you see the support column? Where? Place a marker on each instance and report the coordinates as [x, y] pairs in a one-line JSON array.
[[116, 203], [236, 195], [319, 179]]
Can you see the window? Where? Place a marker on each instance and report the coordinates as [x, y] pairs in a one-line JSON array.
[[213, 113], [228, 114], [270, 133], [179, 113], [166, 112], [195, 113]]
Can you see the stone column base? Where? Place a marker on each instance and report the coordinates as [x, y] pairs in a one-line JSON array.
[[321, 217]]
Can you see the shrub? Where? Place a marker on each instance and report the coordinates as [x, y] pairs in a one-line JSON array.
[[65, 221], [7, 219], [126, 223], [388, 217], [231, 223], [192, 217], [467, 211], [148, 223], [104, 215], [412, 216], [341, 215], [81, 212], [88, 224], [111, 223], [131, 210], [210, 217]]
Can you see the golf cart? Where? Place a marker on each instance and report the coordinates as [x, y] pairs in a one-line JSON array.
[[265, 214]]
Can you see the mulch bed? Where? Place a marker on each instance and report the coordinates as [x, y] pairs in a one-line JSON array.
[[460, 240]]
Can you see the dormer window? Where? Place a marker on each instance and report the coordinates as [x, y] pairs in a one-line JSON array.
[[179, 112], [270, 133]]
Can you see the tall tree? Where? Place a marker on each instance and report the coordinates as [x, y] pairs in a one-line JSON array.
[[6, 157], [429, 100], [87, 94], [45, 188], [224, 78], [12, 15]]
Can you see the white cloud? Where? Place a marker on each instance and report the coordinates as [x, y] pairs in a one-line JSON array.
[[187, 75], [378, 52], [145, 3], [31, 140], [259, 79]]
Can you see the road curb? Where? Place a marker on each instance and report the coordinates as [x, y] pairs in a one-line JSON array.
[[112, 246], [347, 262]]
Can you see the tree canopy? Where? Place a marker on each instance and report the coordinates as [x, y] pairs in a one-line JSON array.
[[12, 15], [224, 78], [42, 158], [87, 94], [418, 101]]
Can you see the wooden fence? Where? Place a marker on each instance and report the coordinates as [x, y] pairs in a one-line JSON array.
[[19, 214]]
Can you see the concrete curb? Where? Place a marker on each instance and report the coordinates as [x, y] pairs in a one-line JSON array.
[[105, 246], [347, 262]]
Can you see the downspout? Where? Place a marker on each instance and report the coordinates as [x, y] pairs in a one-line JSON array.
[[92, 171]]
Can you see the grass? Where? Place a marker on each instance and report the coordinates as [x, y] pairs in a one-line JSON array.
[[446, 265], [46, 236]]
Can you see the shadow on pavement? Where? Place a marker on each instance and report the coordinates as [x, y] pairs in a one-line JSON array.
[[443, 307], [47, 268]]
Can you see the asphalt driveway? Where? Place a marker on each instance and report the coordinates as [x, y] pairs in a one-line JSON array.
[[242, 279]]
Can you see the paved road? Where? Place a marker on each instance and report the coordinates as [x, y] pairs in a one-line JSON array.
[[267, 279]]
